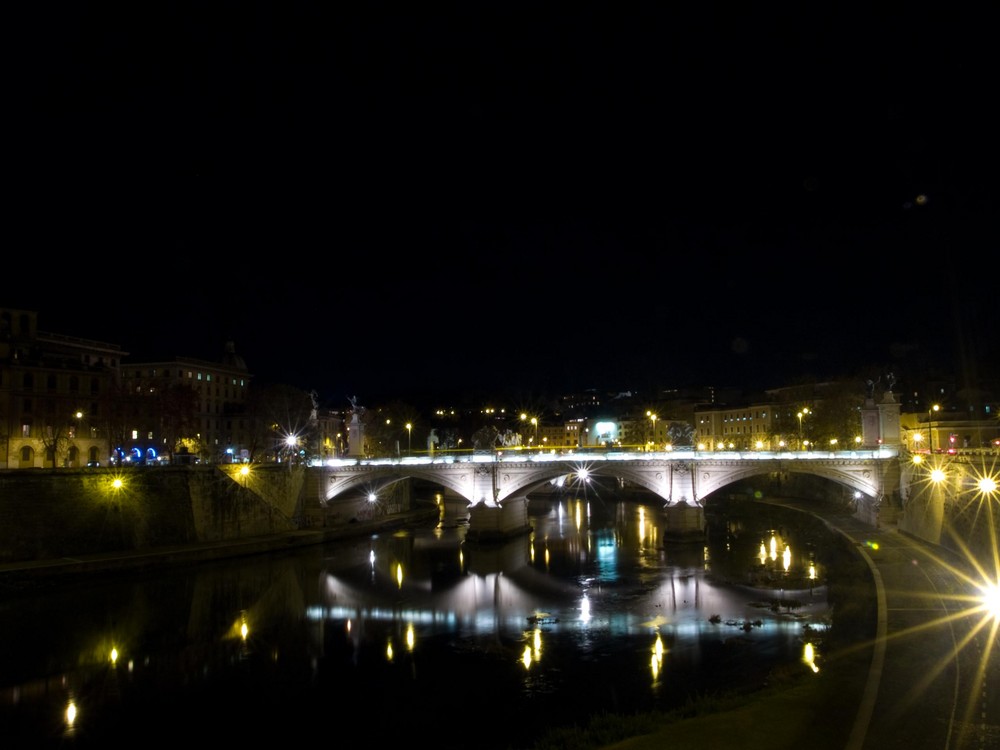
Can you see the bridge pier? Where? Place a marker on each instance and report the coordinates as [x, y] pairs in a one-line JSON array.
[[684, 522], [495, 523]]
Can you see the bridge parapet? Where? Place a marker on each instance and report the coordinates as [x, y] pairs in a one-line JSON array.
[[676, 476]]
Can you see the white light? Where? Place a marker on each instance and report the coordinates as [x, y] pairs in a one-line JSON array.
[[991, 600]]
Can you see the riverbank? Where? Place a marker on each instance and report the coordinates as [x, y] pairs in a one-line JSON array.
[[25, 574]]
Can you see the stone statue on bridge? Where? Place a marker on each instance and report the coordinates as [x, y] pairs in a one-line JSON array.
[[484, 440], [890, 381], [870, 389]]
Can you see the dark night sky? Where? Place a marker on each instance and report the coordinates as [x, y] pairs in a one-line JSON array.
[[389, 201]]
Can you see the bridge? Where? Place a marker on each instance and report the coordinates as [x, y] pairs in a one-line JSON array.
[[496, 483]]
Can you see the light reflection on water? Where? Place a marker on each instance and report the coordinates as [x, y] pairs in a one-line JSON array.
[[435, 638]]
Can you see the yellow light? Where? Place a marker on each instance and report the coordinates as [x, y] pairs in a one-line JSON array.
[[71, 713], [399, 575], [410, 637], [809, 657], [656, 660]]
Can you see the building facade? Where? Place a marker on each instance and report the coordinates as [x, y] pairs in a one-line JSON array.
[[57, 395], [188, 409]]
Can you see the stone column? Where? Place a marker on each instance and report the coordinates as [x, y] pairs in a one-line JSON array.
[[355, 439], [870, 421], [888, 412]]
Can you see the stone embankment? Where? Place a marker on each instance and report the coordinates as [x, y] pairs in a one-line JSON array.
[[67, 514]]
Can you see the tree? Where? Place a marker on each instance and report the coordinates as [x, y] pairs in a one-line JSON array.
[[176, 411], [276, 413], [57, 417]]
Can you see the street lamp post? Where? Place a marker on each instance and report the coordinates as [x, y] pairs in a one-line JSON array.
[[930, 423], [800, 415], [652, 418], [409, 433]]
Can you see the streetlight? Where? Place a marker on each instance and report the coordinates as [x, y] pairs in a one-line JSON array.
[[534, 423], [652, 418], [930, 423], [800, 415], [409, 444]]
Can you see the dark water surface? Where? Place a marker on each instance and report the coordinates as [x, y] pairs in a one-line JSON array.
[[417, 636]]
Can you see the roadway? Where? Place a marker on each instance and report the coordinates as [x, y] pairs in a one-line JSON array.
[[929, 678]]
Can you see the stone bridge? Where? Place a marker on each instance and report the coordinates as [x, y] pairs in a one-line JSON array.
[[678, 477]]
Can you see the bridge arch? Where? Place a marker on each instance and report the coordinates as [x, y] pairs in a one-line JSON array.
[[675, 478]]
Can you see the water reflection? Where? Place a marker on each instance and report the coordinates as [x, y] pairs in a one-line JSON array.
[[441, 639]]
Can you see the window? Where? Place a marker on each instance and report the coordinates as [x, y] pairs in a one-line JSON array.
[[26, 430], [28, 381]]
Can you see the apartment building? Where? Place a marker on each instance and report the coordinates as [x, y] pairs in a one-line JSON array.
[[56, 395], [192, 403]]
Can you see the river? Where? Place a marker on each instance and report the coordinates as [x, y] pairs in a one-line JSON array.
[[417, 635]]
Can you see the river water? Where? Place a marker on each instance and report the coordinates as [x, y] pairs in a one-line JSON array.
[[416, 635]]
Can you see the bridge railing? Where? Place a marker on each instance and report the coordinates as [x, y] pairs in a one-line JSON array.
[[507, 456]]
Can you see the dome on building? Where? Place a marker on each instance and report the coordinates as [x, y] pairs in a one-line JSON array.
[[232, 359]]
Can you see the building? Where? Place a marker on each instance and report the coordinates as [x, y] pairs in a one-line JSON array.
[[57, 395], [748, 427], [188, 404]]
